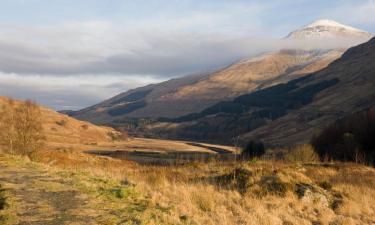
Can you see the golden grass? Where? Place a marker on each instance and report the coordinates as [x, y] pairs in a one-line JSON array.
[[62, 129], [187, 195]]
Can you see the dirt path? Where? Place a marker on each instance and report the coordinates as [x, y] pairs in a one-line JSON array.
[[38, 205], [37, 196], [41, 195]]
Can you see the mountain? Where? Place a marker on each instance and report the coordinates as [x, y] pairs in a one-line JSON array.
[[62, 129], [192, 94], [139, 102], [322, 29], [355, 91], [287, 113]]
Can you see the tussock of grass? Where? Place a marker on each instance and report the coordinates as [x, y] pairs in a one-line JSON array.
[[273, 185]]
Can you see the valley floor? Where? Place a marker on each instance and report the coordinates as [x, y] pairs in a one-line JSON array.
[[75, 188]]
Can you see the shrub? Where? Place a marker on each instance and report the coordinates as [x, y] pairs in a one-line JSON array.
[[302, 153], [253, 149], [85, 126]]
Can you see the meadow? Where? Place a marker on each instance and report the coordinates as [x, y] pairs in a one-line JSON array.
[[215, 192]]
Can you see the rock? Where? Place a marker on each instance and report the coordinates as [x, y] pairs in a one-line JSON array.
[[311, 195], [316, 195]]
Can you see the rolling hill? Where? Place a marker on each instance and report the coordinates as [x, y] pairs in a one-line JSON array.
[[62, 129]]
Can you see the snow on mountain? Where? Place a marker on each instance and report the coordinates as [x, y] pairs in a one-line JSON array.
[[322, 29]]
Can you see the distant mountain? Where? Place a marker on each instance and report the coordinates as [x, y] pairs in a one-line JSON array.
[[322, 29], [192, 94], [288, 113], [140, 102]]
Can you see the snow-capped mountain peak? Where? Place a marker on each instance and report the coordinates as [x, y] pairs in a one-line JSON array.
[[321, 29]]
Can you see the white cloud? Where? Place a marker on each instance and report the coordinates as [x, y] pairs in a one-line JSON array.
[[94, 46], [101, 47], [76, 64], [68, 92]]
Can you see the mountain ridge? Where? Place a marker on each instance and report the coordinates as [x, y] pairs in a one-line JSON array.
[[191, 94], [289, 113]]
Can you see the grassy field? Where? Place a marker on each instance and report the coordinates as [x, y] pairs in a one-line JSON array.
[[143, 144], [69, 187], [154, 151]]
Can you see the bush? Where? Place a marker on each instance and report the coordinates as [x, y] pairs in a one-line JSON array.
[[302, 153], [253, 149]]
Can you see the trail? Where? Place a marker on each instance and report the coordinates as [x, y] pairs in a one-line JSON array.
[[37, 205]]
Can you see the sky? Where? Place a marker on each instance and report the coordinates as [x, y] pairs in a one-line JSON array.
[[70, 54]]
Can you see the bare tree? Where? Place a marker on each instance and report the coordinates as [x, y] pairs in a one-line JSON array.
[[29, 130], [21, 127]]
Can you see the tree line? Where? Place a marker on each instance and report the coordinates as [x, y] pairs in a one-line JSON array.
[[349, 139]]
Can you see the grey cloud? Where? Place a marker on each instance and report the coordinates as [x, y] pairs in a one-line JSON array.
[[166, 59], [100, 47]]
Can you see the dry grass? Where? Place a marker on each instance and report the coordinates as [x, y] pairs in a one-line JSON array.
[[62, 129], [189, 194], [302, 153]]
